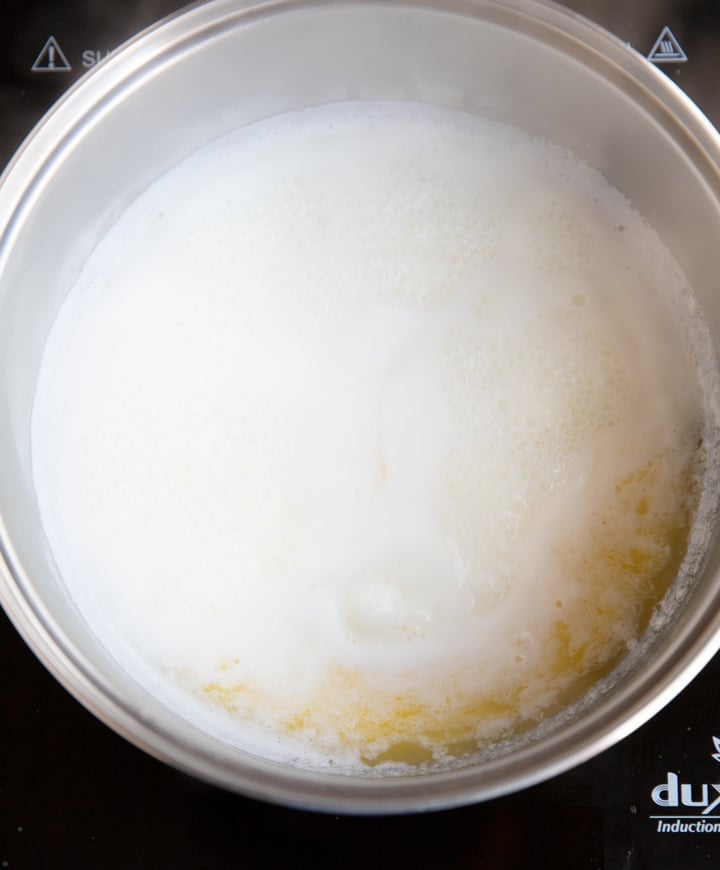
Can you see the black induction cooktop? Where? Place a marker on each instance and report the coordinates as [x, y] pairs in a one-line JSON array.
[[75, 795]]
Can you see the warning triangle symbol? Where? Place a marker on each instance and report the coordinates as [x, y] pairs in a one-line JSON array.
[[667, 49], [51, 58]]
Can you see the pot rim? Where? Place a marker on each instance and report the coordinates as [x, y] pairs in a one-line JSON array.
[[631, 704]]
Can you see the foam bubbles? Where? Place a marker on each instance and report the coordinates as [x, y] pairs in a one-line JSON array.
[[386, 444]]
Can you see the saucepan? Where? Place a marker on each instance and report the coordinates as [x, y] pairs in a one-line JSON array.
[[228, 63]]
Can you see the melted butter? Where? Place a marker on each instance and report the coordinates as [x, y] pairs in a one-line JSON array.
[[630, 558], [404, 478]]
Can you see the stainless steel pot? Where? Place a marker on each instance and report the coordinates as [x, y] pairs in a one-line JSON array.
[[228, 63]]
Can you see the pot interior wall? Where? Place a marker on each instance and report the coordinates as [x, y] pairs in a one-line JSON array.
[[171, 94]]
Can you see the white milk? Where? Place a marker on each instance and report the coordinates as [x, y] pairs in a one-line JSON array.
[[371, 430]]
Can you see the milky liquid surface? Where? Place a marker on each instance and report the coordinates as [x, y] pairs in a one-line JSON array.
[[373, 429]]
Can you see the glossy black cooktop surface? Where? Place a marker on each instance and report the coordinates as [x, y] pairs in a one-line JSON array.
[[75, 795]]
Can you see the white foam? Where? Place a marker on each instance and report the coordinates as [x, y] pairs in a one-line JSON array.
[[370, 426]]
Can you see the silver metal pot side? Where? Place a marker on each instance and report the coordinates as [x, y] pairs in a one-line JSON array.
[[227, 63]]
